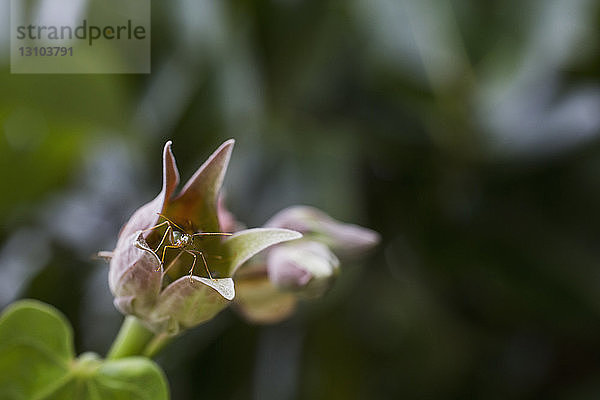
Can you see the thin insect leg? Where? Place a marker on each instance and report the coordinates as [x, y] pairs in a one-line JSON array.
[[203, 260], [206, 265], [193, 264], [156, 226], [162, 260], [163, 238], [173, 261], [169, 230]]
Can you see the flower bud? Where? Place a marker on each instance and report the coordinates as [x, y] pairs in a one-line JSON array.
[[305, 267], [346, 240], [169, 241], [258, 300], [268, 288]]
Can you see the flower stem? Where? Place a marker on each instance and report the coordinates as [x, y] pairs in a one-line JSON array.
[[156, 344], [132, 339]]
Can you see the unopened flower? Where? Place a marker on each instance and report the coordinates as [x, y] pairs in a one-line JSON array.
[[346, 240], [307, 267], [173, 265], [270, 284]]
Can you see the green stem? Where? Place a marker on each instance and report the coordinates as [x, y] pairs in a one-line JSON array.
[[131, 340], [156, 345]]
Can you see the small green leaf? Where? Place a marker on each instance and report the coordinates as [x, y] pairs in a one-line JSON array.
[[37, 362], [128, 378], [244, 244], [36, 348], [90, 378]]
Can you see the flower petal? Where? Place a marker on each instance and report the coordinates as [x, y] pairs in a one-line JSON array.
[[305, 267], [259, 301], [147, 216], [197, 201], [244, 244], [227, 221], [346, 240], [184, 303], [132, 276]]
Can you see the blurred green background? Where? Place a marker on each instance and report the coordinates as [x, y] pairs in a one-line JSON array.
[[465, 132]]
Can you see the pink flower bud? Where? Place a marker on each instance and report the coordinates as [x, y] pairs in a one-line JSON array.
[[346, 240], [173, 265], [306, 267]]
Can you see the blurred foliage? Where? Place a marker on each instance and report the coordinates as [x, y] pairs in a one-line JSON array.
[[38, 362], [466, 133]]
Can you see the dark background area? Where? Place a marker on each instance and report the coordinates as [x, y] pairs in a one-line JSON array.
[[464, 132]]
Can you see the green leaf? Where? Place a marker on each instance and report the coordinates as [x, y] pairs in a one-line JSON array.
[[91, 378], [37, 362], [128, 378], [35, 349], [244, 244]]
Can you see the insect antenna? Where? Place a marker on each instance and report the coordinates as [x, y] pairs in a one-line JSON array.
[[212, 234], [177, 226]]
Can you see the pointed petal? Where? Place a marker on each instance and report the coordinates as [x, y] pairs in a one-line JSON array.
[[184, 303], [346, 240], [147, 215], [244, 244], [170, 172], [197, 201]]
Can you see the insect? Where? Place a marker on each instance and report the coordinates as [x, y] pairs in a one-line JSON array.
[[179, 239]]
